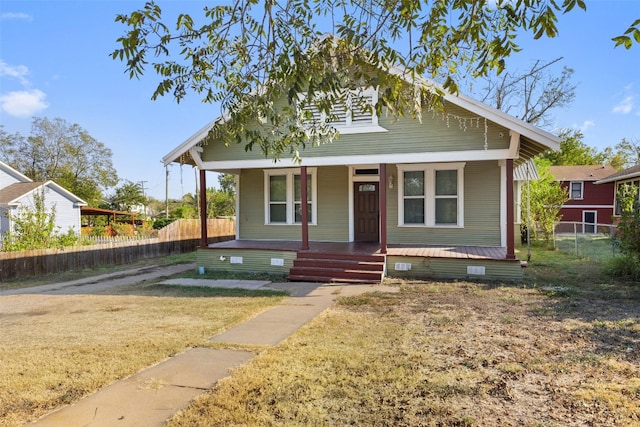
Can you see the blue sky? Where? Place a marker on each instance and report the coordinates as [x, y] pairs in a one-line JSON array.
[[55, 62]]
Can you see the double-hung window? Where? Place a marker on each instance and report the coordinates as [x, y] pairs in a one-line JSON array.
[[576, 190], [283, 196], [431, 195]]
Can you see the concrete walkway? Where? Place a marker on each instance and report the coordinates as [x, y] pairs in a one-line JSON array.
[[103, 281], [153, 395]]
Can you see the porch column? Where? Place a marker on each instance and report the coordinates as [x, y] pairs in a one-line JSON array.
[[203, 209], [383, 208], [303, 207], [510, 206]]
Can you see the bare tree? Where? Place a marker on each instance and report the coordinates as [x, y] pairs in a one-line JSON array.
[[531, 95]]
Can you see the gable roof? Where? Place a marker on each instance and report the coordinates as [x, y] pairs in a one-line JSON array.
[[581, 172], [632, 172], [537, 140], [11, 194], [11, 171]]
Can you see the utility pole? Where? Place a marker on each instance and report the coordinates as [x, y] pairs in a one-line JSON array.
[[143, 195]]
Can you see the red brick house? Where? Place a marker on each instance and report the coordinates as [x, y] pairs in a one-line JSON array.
[[589, 204]]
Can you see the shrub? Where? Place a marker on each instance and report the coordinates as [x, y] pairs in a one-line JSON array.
[[97, 231], [146, 230], [162, 222], [624, 266], [70, 238], [34, 228], [123, 229], [629, 226]]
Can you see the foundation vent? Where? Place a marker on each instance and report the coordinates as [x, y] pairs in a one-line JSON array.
[[476, 270], [402, 266]]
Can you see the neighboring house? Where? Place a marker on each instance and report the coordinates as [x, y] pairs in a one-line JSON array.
[[589, 204], [407, 198], [628, 176], [17, 192]]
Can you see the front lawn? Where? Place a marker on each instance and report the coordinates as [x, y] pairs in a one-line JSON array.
[[56, 349]]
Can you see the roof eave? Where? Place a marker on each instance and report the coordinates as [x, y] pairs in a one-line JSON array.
[[619, 178]]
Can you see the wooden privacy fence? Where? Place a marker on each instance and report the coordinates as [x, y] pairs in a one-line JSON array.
[[178, 237]]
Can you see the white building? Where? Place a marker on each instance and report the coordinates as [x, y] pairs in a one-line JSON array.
[[17, 192]]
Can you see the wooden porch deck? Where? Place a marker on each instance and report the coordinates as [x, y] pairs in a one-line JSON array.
[[425, 251]]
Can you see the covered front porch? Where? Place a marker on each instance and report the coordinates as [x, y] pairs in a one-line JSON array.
[[363, 262]]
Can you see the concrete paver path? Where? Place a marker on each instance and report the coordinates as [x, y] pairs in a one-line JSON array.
[[153, 395]]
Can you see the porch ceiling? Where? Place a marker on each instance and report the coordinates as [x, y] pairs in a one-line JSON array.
[[529, 149]]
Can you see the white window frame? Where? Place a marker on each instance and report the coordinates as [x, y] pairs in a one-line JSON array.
[[352, 128], [429, 170], [289, 173], [581, 190]]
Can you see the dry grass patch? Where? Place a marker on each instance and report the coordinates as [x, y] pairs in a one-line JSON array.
[[443, 354], [56, 349]]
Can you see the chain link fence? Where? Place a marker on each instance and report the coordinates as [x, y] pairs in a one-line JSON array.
[[585, 240]]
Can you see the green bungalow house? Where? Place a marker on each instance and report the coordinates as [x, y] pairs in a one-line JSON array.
[[429, 198]]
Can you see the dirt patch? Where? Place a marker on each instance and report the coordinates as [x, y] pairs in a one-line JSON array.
[[536, 359]]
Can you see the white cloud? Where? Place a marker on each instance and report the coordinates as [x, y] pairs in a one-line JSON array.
[[585, 125], [23, 103], [627, 104], [16, 16], [19, 72]]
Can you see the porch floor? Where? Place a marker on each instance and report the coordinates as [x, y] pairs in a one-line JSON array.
[[357, 248]]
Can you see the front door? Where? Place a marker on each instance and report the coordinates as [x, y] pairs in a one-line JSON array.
[[366, 218]]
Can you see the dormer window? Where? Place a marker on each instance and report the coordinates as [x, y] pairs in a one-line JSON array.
[[355, 115]]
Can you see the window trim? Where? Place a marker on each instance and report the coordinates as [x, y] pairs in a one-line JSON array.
[[429, 170], [289, 173], [349, 127], [581, 190]]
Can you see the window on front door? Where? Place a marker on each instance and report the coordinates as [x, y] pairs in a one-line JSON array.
[[283, 196], [430, 195]]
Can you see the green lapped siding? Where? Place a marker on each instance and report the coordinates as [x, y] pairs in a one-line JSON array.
[[253, 261], [453, 130], [481, 212], [332, 207], [451, 268]]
